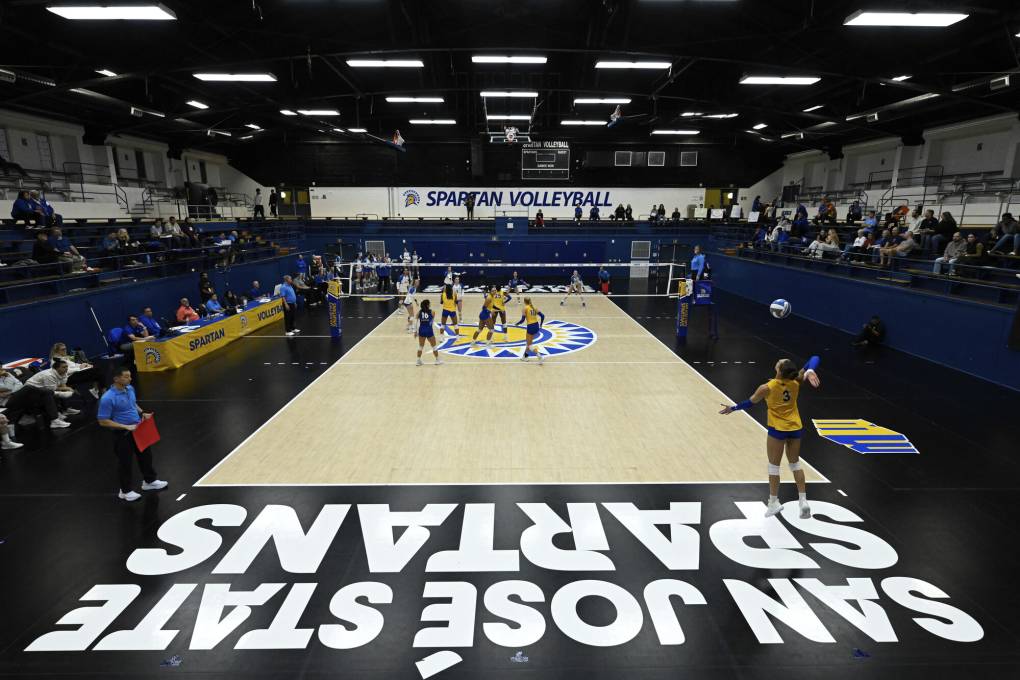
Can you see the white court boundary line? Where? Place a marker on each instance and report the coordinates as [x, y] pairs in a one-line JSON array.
[[338, 362], [823, 480]]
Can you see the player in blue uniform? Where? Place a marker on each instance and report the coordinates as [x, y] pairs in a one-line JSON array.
[[425, 320], [576, 287], [516, 284]]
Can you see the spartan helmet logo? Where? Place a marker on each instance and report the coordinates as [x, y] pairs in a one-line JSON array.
[[411, 197]]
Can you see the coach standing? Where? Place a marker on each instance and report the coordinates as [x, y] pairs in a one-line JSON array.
[[289, 305], [119, 412]]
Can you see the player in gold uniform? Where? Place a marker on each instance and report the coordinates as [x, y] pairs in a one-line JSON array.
[[784, 426]]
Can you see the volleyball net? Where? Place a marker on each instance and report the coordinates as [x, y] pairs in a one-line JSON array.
[[624, 279]]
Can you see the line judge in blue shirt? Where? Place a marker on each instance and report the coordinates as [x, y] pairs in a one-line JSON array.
[[120, 413], [289, 305]]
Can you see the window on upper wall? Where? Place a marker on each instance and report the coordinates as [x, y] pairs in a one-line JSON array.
[[45, 152], [4, 149]]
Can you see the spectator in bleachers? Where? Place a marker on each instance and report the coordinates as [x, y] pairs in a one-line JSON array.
[[205, 287], [955, 249], [628, 213], [255, 292], [826, 212], [619, 213], [39, 394], [906, 245], [185, 313], [257, 210], [896, 217], [925, 228], [675, 216], [871, 221], [158, 234], [1010, 230], [43, 250], [820, 246], [661, 213], [801, 211], [578, 214], [173, 230], [52, 217], [151, 323], [756, 204], [857, 251], [593, 214], [975, 255], [944, 231], [653, 214], [758, 239], [190, 233], [230, 299], [799, 227], [131, 248], [274, 198], [213, 306], [853, 213], [539, 218], [25, 209], [66, 250]]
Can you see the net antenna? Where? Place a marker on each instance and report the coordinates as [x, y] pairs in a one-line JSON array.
[[677, 274]]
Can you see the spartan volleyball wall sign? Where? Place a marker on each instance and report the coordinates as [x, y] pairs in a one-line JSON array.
[[555, 338]]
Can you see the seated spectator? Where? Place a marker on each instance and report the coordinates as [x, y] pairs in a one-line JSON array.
[[870, 222], [213, 306], [43, 250], [302, 286], [9, 384], [758, 240], [39, 394], [883, 241], [801, 211], [129, 247], [52, 218], [230, 299], [799, 227], [191, 234], [177, 237], [912, 222], [955, 249], [925, 228], [578, 214], [255, 292], [821, 245], [134, 332], [151, 323], [893, 219], [628, 213], [25, 209], [660, 214], [858, 250], [903, 248], [1010, 230], [653, 214], [185, 313], [675, 216], [159, 237], [872, 334], [67, 252], [539, 218], [974, 255], [944, 231], [79, 370], [593, 214], [756, 205], [853, 213], [619, 213], [826, 212]]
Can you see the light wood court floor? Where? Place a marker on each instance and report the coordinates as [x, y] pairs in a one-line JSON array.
[[623, 409]]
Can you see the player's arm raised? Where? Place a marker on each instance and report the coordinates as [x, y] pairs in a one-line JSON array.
[[808, 372], [759, 394]]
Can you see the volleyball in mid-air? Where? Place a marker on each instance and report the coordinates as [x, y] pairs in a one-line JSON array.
[[780, 308]]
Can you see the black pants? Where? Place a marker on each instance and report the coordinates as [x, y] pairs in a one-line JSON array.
[[471, 212], [125, 450], [272, 209], [31, 400], [258, 211], [288, 316]]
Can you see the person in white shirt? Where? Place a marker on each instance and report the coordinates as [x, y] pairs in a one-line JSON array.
[[458, 294], [9, 384], [257, 209], [40, 393]]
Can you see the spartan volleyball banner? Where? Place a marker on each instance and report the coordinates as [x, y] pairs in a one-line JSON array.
[[174, 352], [425, 587], [334, 306]]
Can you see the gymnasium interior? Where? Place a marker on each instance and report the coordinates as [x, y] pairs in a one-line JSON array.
[[267, 410]]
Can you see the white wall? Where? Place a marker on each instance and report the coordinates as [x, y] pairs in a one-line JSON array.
[[440, 202]]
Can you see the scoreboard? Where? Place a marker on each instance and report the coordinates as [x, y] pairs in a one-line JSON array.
[[545, 160]]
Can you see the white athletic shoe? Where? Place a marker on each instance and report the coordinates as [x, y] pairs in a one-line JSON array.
[[541, 358], [418, 363], [439, 362], [94, 392], [70, 412], [129, 496], [289, 333], [10, 444], [805, 510], [775, 507], [154, 485], [524, 358], [59, 423], [297, 330]]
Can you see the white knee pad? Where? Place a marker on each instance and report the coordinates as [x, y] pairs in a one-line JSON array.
[[773, 470], [794, 466]]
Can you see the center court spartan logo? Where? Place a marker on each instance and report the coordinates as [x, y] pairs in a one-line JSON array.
[[861, 436], [555, 338], [152, 356], [411, 197]]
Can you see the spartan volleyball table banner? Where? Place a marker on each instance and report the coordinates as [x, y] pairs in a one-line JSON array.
[[334, 291], [209, 336]]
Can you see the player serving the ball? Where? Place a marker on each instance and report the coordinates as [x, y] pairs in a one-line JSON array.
[[784, 426]]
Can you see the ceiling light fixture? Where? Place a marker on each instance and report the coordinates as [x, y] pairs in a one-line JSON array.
[[722, 115], [433, 121], [633, 64], [357, 130], [691, 114], [900, 79], [318, 112], [148, 112], [676, 132], [519, 95], [416, 100], [197, 104], [106, 72], [151, 11], [605, 100], [223, 133], [792, 135], [779, 80], [908, 19], [813, 108], [583, 122], [520, 59], [236, 77], [760, 126], [894, 105], [386, 63], [287, 112], [253, 126], [509, 116]]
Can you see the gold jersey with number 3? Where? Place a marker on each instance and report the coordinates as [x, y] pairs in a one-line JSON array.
[[782, 404]]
